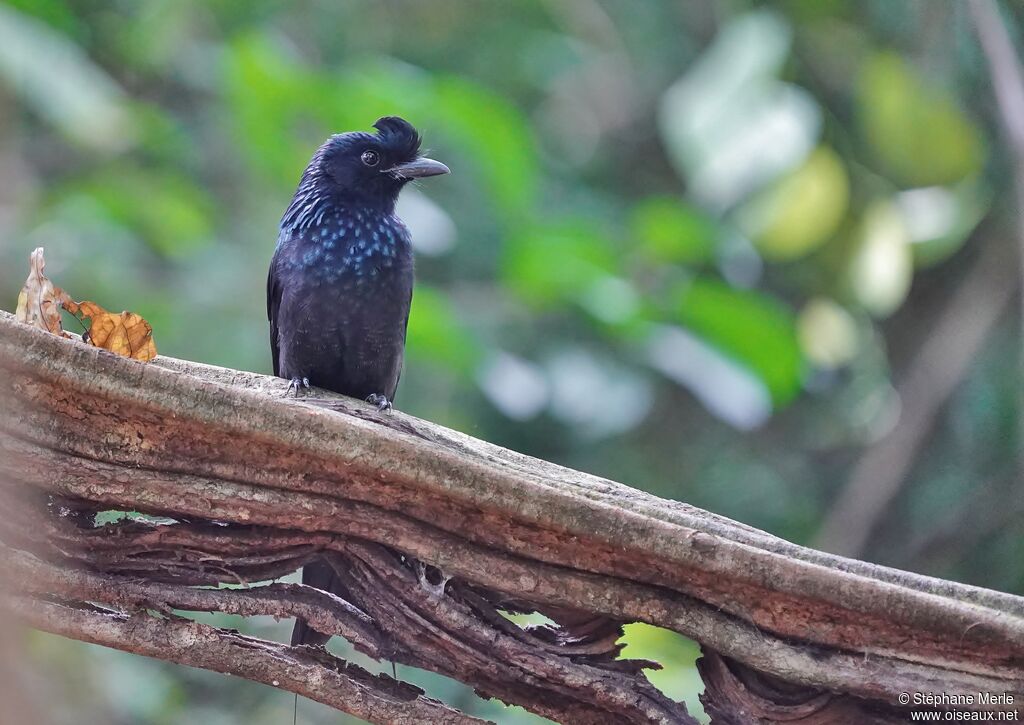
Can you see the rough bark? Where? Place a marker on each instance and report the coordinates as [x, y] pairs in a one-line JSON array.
[[314, 674], [434, 532]]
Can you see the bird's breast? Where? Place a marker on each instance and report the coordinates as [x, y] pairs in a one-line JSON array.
[[354, 250]]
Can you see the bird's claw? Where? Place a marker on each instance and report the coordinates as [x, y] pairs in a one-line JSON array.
[[381, 401], [297, 384]]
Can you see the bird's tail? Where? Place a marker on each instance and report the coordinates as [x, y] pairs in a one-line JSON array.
[[321, 575]]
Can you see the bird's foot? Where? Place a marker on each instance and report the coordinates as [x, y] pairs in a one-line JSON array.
[[297, 384], [381, 401]]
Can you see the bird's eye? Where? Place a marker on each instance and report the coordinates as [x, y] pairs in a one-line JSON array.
[[370, 158]]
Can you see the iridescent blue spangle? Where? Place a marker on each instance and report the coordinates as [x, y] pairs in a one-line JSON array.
[[336, 246]]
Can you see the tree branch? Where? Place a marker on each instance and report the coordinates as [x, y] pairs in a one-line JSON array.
[[313, 674], [433, 533]]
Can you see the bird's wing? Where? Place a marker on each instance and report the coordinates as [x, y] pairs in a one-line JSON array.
[[273, 305], [405, 327], [319, 575]]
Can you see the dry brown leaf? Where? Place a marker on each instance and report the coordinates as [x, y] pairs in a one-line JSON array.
[[39, 301], [39, 305], [125, 333]]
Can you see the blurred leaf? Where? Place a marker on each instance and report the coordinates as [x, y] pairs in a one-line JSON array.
[[801, 211], [918, 131], [615, 302], [881, 269], [939, 219], [494, 134], [670, 230], [55, 13], [62, 84], [165, 210], [752, 328], [810, 10], [595, 395], [828, 334], [165, 35], [433, 231], [437, 334], [557, 262], [729, 124], [516, 387], [165, 138], [369, 90], [728, 389], [266, 88]]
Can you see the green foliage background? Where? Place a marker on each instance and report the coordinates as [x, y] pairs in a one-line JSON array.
[[688, 245]]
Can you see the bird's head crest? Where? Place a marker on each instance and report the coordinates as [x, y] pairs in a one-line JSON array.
[[399, 136]]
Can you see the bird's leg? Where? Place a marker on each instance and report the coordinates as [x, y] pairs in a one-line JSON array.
[[297, 384], [381, 401]]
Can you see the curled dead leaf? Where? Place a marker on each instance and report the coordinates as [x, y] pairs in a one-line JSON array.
[[125, 333], [39, 301], [39, 305]]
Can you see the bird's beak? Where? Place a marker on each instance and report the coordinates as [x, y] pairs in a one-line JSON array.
[[418, 169]]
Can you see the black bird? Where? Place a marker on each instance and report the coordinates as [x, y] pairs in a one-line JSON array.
[[341, 279]]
